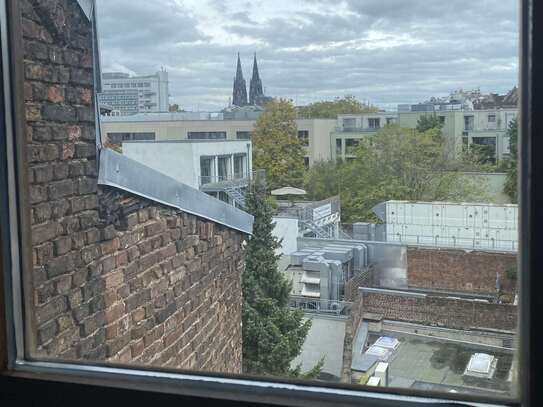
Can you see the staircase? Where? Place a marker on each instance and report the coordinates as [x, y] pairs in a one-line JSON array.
[[319, 231], [235, 193]]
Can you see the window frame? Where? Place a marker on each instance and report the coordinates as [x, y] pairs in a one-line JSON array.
[[14, 257]]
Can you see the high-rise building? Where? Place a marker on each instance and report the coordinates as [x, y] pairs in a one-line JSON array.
[[239, 94], [127, 94]]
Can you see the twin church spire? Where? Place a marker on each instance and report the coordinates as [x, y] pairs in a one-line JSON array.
[[256, 93]]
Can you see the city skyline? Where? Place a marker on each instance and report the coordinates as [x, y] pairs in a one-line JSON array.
[[397, 52]]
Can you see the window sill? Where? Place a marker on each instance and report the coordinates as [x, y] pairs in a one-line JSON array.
[[228, 388]]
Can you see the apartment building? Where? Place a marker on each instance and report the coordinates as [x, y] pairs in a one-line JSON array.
[[351, 128], [128, 95], [314, 134], [461, 128], [470, 127]]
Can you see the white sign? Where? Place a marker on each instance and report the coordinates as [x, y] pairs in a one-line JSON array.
[[322, 211]]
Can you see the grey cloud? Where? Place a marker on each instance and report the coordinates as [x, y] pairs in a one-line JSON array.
[[457, 44]]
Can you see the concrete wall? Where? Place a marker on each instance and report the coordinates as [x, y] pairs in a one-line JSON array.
[[287, 230], [181, 160], [114, 277]]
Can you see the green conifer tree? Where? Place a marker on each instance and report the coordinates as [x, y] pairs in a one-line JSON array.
[[273, 333]]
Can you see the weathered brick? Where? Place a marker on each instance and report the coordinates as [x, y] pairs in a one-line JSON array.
[[61, 265], [47, 332], [55, 94], [115, 312], [51, 310], [62, 245], [44, 232], [58, 113], [60, 189], [85, 150], [114, 279]]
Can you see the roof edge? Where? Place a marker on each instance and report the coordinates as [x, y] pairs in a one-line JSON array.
[[121, 172]]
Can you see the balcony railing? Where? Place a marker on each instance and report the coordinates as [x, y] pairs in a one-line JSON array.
[[232, 180], [357, 129], [318, 306]]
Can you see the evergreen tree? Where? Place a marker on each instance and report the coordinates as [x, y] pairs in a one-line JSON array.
[[273, 333], [512, 166]]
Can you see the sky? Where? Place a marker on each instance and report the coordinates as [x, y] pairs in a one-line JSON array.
[[382, 51]]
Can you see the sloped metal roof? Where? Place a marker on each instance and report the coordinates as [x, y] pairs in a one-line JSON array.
[[124, 173]]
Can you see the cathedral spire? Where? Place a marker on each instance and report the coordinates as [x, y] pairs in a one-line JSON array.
[[239, 94], [255, 90]]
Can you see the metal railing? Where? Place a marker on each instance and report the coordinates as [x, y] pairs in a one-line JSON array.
[[241, 179], [357, 129], [318, 306]]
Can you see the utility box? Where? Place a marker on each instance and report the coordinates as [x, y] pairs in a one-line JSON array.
[[381, 371], [374, 381]]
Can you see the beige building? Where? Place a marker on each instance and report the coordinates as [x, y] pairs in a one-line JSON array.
[[314, 134], [322, 139]]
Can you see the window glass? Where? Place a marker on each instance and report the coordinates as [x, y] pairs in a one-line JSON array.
[[303, 137], [179, 221]]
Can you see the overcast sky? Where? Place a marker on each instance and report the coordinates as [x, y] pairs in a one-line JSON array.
[[384, 51]]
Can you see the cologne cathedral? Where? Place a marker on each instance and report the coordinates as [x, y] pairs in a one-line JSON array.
[[256, 93]]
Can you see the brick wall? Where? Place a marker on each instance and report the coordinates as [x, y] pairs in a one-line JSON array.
[[459, 270], [115, 277], [441, 311]]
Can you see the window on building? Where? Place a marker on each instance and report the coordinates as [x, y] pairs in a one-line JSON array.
[[117, 138], [350, 146], [206, 135], [223, 169], [374, 123], [339, 147], [485, 148], [390, 120], [492, 118], [206, 170], [303, 137], [468, 123], [239, 166], [349, 123], [441, 119], [243, 135]]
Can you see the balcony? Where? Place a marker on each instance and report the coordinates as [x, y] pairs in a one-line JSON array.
[[214, 183]]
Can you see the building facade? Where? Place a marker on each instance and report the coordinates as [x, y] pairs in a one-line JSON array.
[[461, 128], [314, 134], [220, 168], [128, 95]]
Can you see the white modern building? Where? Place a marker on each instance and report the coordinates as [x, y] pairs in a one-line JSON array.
[[221, 168], [445, 224], [129, 95]]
